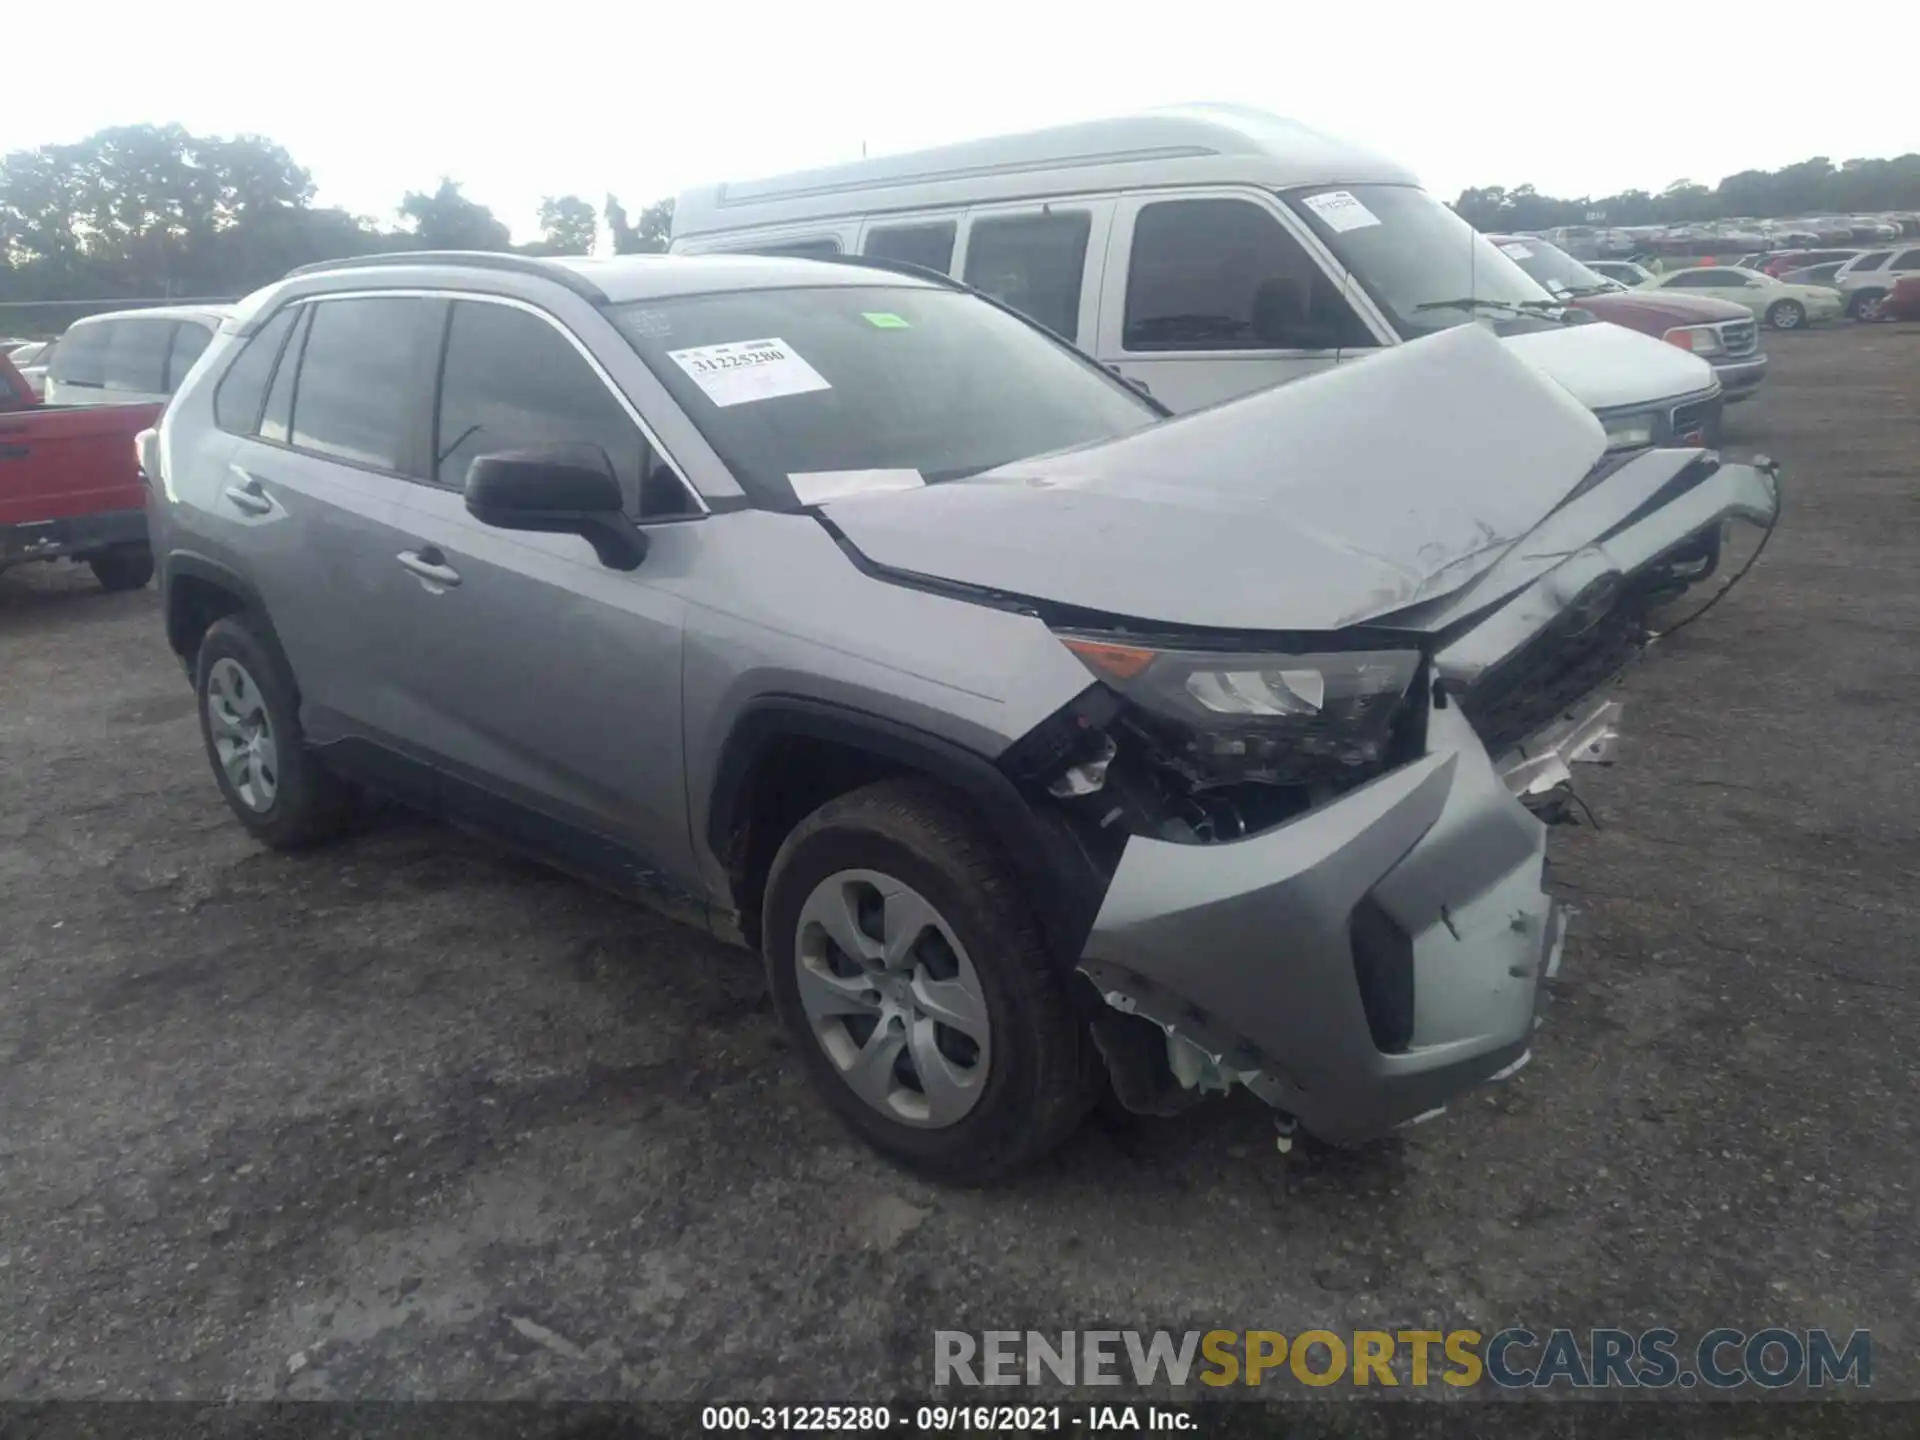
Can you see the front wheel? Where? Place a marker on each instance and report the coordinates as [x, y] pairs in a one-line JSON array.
[[1867, 305], [909, 968], [1786, 315], [250, 722]]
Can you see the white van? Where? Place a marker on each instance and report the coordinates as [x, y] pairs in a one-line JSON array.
[[1206, 252], [130, 357]]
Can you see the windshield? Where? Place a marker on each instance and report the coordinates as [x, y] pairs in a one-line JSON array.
[[1553, 267], [807, 393], [1424, 266]]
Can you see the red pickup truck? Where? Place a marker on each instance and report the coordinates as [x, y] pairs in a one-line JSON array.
[[70, 485]]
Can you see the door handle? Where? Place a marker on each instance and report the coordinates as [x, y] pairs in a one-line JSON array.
[[429, 565], [248, 495]]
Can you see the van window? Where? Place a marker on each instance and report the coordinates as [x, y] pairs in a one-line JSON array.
[[798, 249], [366, 374], [81, 357], [137, 356], [1033, 263], [190, 342], [930, 246], [1225, 275]]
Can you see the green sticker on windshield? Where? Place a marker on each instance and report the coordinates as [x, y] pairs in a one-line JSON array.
[[881, 320]]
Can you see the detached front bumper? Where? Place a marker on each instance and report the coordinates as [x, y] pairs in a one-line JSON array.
[[1408, 914]]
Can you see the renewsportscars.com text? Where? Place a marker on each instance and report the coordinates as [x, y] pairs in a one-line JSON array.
[[1604, 1359]]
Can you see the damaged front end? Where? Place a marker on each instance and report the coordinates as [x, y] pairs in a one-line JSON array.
[[1326, 851]]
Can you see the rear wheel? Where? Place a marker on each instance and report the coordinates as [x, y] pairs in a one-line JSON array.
[[910, 970], [250, 722], [1786, 315], [125, 567], [1868, 305]]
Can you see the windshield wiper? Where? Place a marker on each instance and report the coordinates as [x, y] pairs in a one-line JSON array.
[[1482, 302]]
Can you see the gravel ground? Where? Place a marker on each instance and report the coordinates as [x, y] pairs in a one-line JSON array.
[[401, 1118]]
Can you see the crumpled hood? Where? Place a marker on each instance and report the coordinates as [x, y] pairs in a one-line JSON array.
[[1336, 499]]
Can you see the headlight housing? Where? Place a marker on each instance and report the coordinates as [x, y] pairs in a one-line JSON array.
[[1280, 719], [1628, 432], [1700, 339]]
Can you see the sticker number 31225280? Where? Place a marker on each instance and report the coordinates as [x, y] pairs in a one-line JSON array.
[[747, 370]]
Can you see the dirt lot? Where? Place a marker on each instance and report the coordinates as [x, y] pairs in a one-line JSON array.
[[402, 1118]]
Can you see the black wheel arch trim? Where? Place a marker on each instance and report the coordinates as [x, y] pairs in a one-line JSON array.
[[178, 564], [1061, 879]]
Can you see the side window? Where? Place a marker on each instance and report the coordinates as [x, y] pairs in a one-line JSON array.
[[190, 342], [1693, 280], [81, 357], [242, 391], [1869, 262], [277, 419], [512, 381], [137, 355], [1226, 275], [1908, 261], [800, 249], [930, 246], [366, 374], [1033, 263]]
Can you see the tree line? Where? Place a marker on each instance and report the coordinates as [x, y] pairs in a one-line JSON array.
[[1811, 187], [143, 211]]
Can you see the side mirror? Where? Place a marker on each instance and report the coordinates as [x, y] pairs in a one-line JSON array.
[[560, 490]]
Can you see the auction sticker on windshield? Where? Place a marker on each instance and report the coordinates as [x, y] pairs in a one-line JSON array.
[[748, 370], [1341, 211], [1515, 249]]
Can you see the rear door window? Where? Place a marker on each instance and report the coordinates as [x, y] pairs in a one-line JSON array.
[[930, 246], [366, 380], [190, 342], [1224, 274], [136, 360], [1033, 263]]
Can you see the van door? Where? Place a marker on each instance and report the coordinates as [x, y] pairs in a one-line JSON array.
[[1034, 258], [1211, 293]]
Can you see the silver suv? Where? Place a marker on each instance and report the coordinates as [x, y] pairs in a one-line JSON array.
[[1028, 733]]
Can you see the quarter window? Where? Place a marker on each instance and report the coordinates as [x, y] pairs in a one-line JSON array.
[[1869, 262], [365, 374], [930, 246], [1908, 261], [1225, 275], [242, 391], [1033, 263], [513, 382], [81, 357]]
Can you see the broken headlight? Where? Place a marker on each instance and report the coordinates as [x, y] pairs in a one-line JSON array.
[[1282, 719]]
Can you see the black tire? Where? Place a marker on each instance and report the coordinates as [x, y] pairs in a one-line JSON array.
[[125, 567], [1866, 304], [1043, 1071], [310, 803], [1787, 315]]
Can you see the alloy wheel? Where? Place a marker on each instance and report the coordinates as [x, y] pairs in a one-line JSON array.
[[892, 998], [243, 734]]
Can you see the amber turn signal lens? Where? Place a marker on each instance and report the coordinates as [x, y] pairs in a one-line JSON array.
[[1122, 662]]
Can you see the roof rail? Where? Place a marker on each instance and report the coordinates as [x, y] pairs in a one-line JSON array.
[[539, 265]]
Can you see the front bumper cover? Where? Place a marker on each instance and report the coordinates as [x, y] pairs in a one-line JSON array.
[[1247, 949]]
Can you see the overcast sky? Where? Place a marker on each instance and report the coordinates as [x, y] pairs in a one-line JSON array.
[[522, 101]]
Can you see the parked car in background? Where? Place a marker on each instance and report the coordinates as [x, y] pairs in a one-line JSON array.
[[1723, 334], [1205, 252], [1822, 274], [70, 484], [1777, 263], [31, 361], [1903, 301], [1621, 272], [129, 357], [1780, 305], [897, 648], [1867, 279]]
